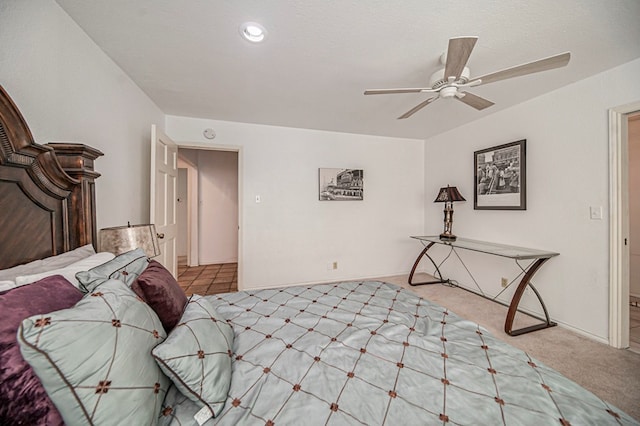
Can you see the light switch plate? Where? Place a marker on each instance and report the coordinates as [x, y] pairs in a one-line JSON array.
[[595, 212]]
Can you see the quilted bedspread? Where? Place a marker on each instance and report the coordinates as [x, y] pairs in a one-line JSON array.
[[372, 353]]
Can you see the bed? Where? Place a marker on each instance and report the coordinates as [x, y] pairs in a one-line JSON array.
[[118, 342]]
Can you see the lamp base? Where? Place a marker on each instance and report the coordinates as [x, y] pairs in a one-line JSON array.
[[447, 237]]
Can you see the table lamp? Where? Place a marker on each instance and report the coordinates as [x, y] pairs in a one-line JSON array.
[[447, 196], [121, 239]]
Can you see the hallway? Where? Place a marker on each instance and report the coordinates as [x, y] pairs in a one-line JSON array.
[[207, 279]]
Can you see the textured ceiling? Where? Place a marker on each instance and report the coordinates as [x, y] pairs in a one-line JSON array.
[[319, 56]]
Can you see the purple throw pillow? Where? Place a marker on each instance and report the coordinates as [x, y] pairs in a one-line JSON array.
[[161, 291], [23, 400]]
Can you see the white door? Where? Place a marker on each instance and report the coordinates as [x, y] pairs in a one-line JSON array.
[[164, 179]]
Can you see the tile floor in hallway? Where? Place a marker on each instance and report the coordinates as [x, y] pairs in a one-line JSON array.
[[207, 279]]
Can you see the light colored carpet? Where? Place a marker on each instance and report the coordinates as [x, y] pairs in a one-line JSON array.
[[634, 323], [612, 374]]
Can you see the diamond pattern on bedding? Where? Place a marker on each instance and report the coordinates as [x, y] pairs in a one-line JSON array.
[[373, 353]]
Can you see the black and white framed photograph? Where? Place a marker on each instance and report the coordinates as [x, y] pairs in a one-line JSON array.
[[340, 184], [500, 177]]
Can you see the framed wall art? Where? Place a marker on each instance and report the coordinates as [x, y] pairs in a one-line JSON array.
[[500, 177], [340, 184]]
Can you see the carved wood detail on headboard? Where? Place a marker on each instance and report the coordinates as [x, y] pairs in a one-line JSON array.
[[47, 196]]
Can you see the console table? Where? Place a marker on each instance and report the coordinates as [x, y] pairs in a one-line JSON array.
[[538, 258]]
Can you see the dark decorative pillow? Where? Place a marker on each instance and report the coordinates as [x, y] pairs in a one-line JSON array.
[[161, 291], [23, 399]]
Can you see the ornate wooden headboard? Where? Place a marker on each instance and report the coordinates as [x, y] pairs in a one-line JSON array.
[[47, 197]]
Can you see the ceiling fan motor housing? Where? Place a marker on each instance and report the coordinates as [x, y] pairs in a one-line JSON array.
[[438, 80]]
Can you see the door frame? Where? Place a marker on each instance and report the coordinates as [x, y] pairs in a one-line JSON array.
[[240, 152], [193, 256], [619, 225]]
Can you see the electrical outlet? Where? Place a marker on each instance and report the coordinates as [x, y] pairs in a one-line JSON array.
[[335, 265], [504, 281]]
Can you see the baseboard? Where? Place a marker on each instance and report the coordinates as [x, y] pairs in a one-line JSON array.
[[562, 324], [217, 261], [583, 333]]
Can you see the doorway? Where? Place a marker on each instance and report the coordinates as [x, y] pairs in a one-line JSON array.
[[620, 223], [208, 207]]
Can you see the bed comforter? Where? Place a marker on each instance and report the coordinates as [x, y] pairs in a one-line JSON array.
[[371, 353]]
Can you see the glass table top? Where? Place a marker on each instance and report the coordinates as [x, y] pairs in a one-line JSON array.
[[504, 250]]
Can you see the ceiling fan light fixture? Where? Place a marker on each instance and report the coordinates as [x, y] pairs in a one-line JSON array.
[[253, 32], [448, 92]]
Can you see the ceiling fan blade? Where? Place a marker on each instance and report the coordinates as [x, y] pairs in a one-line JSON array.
[[457, 55], [473, 100], [390, 91], [417, 108], [549, 63]]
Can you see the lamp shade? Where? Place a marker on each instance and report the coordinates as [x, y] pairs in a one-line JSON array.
[[122, 239], [450, 193]]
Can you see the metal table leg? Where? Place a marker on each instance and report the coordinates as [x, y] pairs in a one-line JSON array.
[[415, 265], [515, 301]]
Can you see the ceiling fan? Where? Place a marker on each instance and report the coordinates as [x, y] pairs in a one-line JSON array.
[[453, 80]]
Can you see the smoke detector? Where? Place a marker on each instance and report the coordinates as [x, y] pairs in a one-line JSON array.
[[209, 133]]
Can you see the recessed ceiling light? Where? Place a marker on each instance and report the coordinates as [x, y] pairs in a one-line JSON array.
[[253, 32]]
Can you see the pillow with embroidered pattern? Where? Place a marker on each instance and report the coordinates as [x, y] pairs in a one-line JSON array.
[[125, 267], [94, 359], [197, 355]]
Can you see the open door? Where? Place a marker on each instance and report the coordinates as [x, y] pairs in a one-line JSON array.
[[164, 180]]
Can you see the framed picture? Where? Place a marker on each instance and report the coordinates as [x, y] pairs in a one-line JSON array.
[[340, 184], [501, 177]]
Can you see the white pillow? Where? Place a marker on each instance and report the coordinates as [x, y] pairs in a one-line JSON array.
[[70, 271], [7, 285], [65, 259], [48, 263]]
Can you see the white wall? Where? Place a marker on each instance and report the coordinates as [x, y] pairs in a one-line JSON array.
[[68, 90], [634, 206], [567, 172], [291, 236]]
